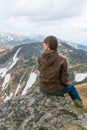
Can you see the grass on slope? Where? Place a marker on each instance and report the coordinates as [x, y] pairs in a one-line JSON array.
[[82, 89]]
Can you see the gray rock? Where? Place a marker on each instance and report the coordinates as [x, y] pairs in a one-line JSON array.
[[38, 111]]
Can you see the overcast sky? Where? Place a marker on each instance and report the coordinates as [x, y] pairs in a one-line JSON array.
[[67, 19]]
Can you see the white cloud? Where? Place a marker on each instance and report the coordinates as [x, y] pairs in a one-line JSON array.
[[19, 22], [43, 9], [64, 18]]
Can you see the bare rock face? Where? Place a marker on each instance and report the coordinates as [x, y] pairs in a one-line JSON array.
[[38, 111]]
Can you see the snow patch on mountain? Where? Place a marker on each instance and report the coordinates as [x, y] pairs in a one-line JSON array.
[[7, 77], [70, 50], [6, 37], [19, 86], [77, 46], [73, 45], [30, 82], [80, 77], [4, 70], [6, 81], [10, 38], [8, 97]]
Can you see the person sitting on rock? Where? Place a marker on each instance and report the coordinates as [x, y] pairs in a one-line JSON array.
[[53, 72]]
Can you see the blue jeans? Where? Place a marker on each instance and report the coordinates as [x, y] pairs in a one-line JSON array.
[[70, 89]]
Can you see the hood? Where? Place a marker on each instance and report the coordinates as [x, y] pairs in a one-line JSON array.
[[49, 57]]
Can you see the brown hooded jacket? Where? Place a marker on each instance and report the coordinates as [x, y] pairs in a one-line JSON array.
[[53, 71]]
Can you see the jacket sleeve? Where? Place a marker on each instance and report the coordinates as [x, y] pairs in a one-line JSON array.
[[64, 73], [39, 63]]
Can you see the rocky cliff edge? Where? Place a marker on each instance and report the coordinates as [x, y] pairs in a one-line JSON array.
[[38, 111]]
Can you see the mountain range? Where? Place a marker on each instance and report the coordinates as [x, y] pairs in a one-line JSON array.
[[9, 40], [18, 67]]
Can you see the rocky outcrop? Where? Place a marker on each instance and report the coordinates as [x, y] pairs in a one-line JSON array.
[[38, 111]]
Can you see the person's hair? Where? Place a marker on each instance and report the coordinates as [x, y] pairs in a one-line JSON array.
[[52, 42]]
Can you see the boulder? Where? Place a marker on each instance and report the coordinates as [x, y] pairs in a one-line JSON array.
[[37, 111]]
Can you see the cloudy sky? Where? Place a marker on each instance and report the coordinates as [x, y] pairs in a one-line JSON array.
[[67, 19]]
